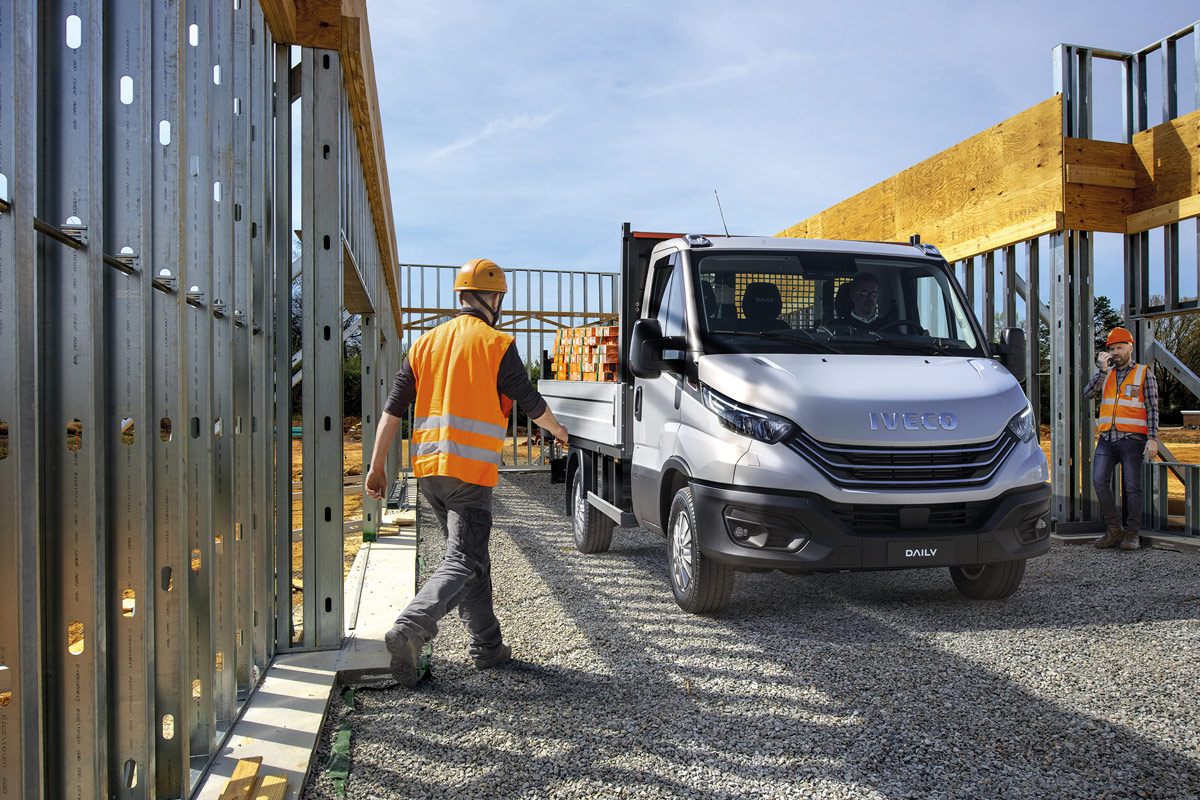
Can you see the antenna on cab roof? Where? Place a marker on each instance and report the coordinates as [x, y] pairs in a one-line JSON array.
[[722, 212]]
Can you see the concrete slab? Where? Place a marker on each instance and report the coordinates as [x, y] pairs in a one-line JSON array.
[[283, 717]]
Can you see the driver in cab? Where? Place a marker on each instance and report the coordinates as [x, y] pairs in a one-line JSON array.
[[863, 310]]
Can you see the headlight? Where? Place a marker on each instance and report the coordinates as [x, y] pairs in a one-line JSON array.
[[745, 420], [1021, 425]]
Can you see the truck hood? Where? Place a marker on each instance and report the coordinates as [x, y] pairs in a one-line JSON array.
[[873, 400]]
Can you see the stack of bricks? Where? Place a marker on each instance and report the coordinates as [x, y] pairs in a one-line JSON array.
[[586, 354]]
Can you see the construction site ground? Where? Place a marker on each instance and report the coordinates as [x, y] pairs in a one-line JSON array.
[[616, 692], [842, 685]]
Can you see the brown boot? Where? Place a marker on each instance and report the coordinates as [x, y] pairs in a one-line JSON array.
[[1111, 536], [1130, 541]]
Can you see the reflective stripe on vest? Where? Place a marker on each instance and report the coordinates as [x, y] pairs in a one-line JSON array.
[[458, 426], [1124, 407]]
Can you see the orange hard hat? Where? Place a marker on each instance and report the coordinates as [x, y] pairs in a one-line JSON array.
[[481, 275], [1119, 335]]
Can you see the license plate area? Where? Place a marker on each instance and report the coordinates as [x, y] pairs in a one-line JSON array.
[[920, 554]]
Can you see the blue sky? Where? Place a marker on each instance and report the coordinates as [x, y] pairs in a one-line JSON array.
[[528, 131]]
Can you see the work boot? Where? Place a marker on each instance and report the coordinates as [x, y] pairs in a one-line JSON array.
[[406, 657], [502, 655], [1130, 541], [1111, 536]]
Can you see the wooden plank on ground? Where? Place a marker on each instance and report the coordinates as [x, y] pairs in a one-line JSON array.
[[271, 787], [245, 776]]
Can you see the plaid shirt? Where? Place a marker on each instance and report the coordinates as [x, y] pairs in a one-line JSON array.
[[1149, 393]]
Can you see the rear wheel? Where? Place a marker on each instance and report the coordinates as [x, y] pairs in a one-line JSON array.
[[699, 584], [593, 531], [989, 581]]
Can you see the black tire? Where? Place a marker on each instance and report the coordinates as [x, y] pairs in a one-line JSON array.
[[989, 581], [593, 531], [700, 585]]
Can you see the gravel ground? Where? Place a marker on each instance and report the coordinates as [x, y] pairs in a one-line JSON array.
[[1084, 684]]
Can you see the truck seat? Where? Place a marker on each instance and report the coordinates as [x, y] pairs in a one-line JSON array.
[[761, 305]]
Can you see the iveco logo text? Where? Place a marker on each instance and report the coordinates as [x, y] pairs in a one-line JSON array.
[[926, 553], [894, 420]]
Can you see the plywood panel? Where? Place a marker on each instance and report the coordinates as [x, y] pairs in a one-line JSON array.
[[1097, 208], [1008, 177], [1167, 162]]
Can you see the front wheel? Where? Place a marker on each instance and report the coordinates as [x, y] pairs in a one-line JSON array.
[[593, 531], [989, 581], [700, 585]]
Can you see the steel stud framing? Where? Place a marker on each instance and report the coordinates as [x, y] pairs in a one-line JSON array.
[[145, 272]]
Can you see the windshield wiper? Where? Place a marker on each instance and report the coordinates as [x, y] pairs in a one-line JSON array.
[[936, 346], [793, 335]]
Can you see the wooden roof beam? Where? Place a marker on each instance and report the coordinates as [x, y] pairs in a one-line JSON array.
[[342, 25]]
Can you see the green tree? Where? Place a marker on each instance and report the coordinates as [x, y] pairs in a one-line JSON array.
[[1104, 319]]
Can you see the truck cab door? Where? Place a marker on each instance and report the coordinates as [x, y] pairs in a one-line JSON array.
[[656, 400]]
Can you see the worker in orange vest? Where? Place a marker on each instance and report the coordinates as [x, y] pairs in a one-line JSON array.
[[1128, 426], [459, 376]]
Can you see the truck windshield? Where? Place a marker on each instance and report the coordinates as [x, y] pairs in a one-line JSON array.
[[830, 302]]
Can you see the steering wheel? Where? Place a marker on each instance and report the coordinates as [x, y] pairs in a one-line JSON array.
[[913, 327]]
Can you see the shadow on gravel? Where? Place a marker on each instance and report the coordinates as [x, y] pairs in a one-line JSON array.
[[821, 685]]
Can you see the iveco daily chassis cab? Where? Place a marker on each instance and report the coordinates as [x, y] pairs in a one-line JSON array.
[[756, 423]]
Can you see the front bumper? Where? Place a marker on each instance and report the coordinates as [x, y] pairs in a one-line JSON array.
[[804, 532]]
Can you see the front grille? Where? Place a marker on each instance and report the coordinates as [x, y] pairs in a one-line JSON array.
[[858, 467], [942, 516]]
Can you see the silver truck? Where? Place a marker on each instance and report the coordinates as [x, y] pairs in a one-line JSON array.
[[759, 421]]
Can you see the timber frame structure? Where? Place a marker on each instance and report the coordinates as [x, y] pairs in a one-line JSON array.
[[1039, 175], [146, 369]]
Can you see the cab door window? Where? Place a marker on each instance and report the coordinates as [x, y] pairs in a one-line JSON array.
[[669, 308]]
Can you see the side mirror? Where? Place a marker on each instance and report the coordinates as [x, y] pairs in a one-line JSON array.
[[1012, 352], [646, 347]]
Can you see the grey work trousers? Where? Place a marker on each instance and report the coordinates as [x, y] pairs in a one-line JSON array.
[[464, 578]]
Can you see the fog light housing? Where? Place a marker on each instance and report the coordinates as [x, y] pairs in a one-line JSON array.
[[764, 531]]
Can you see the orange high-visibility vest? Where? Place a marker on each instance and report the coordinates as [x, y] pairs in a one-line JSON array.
[[1124, 407], [458, 425]]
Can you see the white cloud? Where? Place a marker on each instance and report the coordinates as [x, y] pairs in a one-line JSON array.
[[727, 73], [495, 127]]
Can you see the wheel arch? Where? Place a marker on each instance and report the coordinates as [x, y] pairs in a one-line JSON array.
[[675, 475]]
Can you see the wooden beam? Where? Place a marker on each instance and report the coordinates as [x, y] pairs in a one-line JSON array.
[[1101, 176], [1167, 163], [342, 25], [280, 16], [319, 23], [1047, 222], [359, 67], [1165, 214], [1007, 178]]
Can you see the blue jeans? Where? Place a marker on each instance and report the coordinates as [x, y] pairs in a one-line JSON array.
[[1128, 452], [464, 578]]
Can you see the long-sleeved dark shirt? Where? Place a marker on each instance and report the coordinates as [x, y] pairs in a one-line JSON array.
[[511, 381], [1149, 394]]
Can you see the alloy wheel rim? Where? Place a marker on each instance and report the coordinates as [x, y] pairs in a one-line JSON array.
[[681, 552], [579, 511]]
